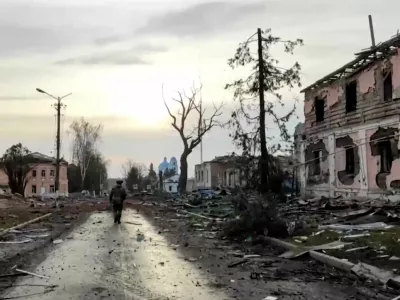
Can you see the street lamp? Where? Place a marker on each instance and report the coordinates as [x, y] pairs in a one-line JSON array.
[[58, 138]]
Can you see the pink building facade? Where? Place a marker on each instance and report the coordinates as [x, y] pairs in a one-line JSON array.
[[41, 179], [349, 145]]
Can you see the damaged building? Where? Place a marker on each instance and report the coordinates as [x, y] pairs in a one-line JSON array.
[[349, 144]]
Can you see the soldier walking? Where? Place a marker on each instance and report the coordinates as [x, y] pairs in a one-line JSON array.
[[117, 198]]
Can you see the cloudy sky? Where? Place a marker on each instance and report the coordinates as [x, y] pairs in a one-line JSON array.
[[114, 56]]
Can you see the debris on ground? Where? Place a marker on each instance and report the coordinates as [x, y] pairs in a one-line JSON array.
[[140, 237], [203, 226], [33, 274]]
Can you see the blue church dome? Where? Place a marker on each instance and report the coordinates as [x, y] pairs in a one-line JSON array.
[[172, 165], [163, 166]]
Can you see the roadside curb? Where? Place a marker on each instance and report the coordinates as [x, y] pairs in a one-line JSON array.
[[24, 224]]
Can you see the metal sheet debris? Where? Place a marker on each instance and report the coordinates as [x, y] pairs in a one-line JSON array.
[[357, 249], [304, 250], [354, 236], [16, 242], [370, 226]]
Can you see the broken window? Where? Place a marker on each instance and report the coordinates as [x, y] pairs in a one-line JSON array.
[[319, 105], [350, 162], [33, 173], [351, 96], [34, 189], [43, 173], [52, 189], [52, 173], [387, 87], [385, 150], [317, 163]]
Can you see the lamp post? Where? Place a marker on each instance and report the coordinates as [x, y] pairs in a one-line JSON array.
[[58, 106]]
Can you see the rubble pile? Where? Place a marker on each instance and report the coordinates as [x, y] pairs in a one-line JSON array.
[[213, 220], [239, 217], [346, 228]]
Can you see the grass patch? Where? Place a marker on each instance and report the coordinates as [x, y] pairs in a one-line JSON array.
[[381, 242], [325, 237]]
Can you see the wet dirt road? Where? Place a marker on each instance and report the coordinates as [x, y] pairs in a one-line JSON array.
[[100, 260]]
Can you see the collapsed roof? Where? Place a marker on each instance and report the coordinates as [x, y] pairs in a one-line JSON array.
[[363, 59]]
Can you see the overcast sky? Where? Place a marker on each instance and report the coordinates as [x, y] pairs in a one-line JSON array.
[[114, 56]]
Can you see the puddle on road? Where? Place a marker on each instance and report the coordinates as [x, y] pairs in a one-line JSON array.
[[100, 260]]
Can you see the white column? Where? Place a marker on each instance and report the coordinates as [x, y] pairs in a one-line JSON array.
[[331, 164], [302, 169], [362, 152]]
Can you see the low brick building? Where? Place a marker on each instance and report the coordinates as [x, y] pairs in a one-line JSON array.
[[41, 179], [222, 171]]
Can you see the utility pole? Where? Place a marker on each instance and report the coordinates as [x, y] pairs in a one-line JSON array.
[[58, 105], [58, 143], [263, 140]]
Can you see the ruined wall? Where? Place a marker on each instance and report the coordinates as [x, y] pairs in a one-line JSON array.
[[322, 178], [344, 178], [379, 181], [370, 104], [395, 61], [373, 119]]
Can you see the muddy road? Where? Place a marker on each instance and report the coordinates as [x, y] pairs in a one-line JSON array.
[[134, 260], [100, 260]]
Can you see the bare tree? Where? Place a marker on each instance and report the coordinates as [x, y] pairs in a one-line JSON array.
[[191, 106], [86, 136]]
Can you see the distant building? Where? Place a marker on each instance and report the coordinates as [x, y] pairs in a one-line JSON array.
[[229, 170], [41, 179], [172, 165], [221, 171], [171, 184], [191, 185]]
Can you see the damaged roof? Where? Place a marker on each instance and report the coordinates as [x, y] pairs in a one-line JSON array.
[[362, 60], [45, 158], [226, 158]]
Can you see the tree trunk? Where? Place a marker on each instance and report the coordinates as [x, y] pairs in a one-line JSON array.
[[184, 172], [82, 185], [264, 151]]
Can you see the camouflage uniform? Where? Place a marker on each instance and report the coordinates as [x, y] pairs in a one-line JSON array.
[[117, 198]]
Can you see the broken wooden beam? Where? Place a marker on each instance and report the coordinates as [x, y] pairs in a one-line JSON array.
[[25, 223]]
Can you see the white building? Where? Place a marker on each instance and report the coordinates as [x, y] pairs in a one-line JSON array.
[[171, 184]]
